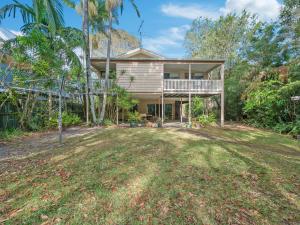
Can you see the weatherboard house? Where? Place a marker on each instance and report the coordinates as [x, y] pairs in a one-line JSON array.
[[157, 81]]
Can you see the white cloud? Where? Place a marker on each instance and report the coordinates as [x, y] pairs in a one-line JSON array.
[[190, 11], [170, 39], [265, 9]]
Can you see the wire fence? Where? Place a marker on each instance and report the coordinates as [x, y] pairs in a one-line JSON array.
[[72, 99]]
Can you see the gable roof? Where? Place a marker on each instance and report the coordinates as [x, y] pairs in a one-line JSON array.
[[6, 34], [140, 52]]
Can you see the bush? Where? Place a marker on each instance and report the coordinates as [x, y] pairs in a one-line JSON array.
[[107, 123], [68, 119], [37, 122], [10, 133], [292, 128], [134, 117], [205, 120]]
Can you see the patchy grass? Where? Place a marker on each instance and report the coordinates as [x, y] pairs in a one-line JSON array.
[[157, 176], [7, 135]]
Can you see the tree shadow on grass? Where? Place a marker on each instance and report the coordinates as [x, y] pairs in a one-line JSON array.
[[154, 181]]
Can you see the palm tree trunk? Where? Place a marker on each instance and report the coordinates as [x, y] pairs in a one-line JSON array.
[[88, 61], [106, 69]]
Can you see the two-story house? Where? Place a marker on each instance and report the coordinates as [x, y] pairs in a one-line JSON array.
[[157, 81]]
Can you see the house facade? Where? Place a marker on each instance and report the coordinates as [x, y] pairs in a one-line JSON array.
[[157, 81]]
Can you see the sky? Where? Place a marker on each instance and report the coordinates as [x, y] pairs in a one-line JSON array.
[[166, 21]]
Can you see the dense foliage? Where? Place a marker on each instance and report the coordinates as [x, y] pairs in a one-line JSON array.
[[262, 65], [68, 119]]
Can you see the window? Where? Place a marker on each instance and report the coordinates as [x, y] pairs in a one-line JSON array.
[[171, 76], [151, 109], [157, 107], [166, 76], [197, 76], [194, 76]]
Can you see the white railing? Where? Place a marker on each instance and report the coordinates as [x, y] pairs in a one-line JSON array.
[[195, 86]]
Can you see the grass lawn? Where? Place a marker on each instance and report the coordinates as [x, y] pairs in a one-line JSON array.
[[157, 176]]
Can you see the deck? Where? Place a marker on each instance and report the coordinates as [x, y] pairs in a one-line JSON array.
[[175, 86], [193, 86]]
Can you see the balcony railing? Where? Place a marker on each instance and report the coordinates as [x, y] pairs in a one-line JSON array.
[[194, 86]]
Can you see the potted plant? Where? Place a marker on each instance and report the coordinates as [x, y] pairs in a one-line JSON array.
[[159, 122], [134, 118]]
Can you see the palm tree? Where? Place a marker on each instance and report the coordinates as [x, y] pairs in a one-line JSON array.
[[111, 7], [93, 14], [87, 62], [42, 14]]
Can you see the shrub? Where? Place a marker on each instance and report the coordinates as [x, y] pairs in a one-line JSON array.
[[68, 119], [107, 122], [10, 133], [37, 122], [205, 120], [134, 117], [292, 128]]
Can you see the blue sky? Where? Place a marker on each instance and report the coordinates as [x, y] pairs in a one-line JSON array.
[[166, 21]]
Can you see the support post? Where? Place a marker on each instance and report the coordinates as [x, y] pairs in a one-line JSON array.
[[159, 107], [180, 110], [117, 111], [222, 95], [190, 101], [162, 109]]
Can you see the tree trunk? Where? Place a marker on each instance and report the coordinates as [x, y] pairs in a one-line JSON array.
[[25, 110], [87, 63], [106, 69]]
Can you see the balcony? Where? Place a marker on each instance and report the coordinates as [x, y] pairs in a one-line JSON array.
[[193, 86]]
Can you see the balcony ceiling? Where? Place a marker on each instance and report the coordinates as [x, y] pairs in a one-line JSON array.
[[200, 68], [168, 67]]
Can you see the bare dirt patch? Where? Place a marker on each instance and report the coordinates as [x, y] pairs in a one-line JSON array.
[[39, 142]]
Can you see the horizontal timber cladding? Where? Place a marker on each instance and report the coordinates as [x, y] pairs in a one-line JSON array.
[[140, 76]]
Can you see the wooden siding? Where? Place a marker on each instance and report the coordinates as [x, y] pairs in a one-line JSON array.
[[147, 77]]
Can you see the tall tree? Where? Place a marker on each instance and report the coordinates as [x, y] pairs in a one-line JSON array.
[[290, 26], [111, 6], [87, 61], [94, 15], [222, 38]]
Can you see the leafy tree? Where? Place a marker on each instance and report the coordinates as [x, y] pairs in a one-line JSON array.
[[220, 39], [269, 103], [265, 48], [38, 60], [290, 25]]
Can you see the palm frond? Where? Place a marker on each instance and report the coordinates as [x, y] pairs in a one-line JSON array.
[[135, 8], [9, 10], [54, 14]]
